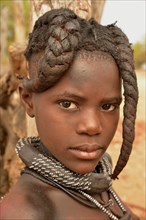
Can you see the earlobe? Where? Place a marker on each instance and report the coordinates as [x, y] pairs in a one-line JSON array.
[[26, 99]]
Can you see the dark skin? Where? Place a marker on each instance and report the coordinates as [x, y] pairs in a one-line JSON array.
[[76, 120], [34, 200]]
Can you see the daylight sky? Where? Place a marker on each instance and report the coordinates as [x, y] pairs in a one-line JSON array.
[[130, 16]]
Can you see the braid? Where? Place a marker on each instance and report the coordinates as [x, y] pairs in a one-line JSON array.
[[58, 35], [126, 66]]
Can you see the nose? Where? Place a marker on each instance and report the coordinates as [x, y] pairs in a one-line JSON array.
[[89, 123]]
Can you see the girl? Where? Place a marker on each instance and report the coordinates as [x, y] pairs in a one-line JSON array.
[[76, 70]]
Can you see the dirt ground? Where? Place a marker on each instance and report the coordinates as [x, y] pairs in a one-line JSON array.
[[131, 183]]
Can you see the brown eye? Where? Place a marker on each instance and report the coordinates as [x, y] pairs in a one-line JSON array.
[[67, 105], [108, 107]]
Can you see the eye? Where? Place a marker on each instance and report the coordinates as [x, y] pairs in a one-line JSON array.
[[67, 105], [108, 107]]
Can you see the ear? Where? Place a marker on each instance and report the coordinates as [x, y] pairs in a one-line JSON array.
[[26, 99]]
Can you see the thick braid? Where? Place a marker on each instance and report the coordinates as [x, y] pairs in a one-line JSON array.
[[116, 43], [38, 42], [125, 62], [61, 33]]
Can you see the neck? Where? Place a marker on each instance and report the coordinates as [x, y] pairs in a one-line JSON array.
[[36, 157]]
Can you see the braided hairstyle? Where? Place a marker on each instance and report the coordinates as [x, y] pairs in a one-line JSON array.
[[58, 35]]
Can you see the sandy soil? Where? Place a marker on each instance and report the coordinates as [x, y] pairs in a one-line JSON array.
[[131, 183]]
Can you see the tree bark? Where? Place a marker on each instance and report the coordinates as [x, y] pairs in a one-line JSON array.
[[97, 7], [4, 32], [13, 119], [19, 21], [84, 8]]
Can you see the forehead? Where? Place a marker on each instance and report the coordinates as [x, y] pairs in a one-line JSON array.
[[91, 74], [83, 55], [93, 65], [85, 66]]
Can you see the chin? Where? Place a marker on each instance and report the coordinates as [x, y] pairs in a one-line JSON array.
[[84, 169]]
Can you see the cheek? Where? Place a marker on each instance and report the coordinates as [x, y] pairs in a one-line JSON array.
[[112, 125], [52, 127], [42, 120]]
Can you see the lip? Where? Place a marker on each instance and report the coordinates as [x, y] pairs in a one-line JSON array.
[[87, 151]]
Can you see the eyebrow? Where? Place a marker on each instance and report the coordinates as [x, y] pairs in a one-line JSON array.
[[78, 97], [113, 99], [70, 95]]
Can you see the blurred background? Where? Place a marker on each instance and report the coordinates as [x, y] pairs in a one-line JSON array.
[[17, 18]]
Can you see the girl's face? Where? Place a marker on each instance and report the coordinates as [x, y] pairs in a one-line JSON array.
[[77, 118]]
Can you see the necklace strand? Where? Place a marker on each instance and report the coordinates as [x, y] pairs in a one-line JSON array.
[[102, 208], [43, 165], [48, 166]]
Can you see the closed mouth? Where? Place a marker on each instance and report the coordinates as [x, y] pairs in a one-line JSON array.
[[87, 152], [86, 147]]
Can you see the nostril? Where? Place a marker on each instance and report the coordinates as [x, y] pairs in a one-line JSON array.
[[94, 130], [89, 128]]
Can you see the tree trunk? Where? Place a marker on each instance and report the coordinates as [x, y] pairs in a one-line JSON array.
[[97, 7], [4, 32], [19, 21], [13, 119], [84, 8]]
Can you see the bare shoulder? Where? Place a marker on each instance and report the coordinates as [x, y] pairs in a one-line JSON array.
[[27, 200]]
